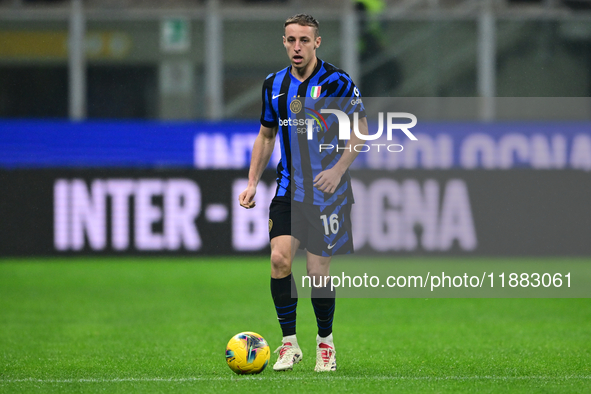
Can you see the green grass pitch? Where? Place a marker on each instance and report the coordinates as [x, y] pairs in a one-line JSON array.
[[161, 325]]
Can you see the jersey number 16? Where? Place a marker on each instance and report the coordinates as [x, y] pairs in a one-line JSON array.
[[331, 224]]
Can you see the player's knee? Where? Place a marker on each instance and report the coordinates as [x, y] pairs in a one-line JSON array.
[[280, 262]]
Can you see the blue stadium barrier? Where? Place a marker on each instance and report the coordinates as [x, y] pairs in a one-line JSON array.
[[227, 145]]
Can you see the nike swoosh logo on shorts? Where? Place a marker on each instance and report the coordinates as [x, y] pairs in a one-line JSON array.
[[329, 247], [274, 97]]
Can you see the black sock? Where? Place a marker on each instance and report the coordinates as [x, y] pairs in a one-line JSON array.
[[284, 304], [323, 301]]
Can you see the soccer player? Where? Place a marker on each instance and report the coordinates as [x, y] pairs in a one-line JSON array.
[[312, 204]]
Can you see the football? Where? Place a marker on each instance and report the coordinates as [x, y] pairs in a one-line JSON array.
[[247, 353]]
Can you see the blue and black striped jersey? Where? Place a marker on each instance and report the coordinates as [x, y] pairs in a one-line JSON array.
[[301, 158]]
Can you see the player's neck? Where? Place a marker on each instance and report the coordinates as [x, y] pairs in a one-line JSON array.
[[303, 74]]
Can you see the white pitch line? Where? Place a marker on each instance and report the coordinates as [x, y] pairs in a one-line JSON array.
[[283, 378]]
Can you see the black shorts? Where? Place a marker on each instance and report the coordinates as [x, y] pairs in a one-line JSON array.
[[323, 230]]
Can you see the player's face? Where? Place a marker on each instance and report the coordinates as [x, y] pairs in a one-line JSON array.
[[300, 43]]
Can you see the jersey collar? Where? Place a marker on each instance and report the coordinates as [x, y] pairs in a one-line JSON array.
[[319, 63]]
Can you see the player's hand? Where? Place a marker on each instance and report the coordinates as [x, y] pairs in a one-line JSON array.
[[246, 198], [328, 180]]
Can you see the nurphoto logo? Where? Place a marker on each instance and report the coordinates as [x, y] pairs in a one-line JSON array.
[[345, 130]]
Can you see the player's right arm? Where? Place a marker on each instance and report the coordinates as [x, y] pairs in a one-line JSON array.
[[261, 154]]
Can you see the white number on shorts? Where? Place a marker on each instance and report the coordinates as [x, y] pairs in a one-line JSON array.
[[334, 223]]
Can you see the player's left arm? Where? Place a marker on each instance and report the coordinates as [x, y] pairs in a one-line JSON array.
[[328, 180]]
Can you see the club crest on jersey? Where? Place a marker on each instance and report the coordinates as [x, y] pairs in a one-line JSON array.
[[315, 91], [295, 106]]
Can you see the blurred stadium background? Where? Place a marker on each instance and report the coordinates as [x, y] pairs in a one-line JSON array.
[[190, 59]]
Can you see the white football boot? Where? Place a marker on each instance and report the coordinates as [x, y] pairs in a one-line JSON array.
[[325, 358], [288, 356]]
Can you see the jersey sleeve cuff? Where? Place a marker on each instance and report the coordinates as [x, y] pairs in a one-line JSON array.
[[268, 124]]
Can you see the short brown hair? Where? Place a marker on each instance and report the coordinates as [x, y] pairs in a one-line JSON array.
[[303, 20]]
